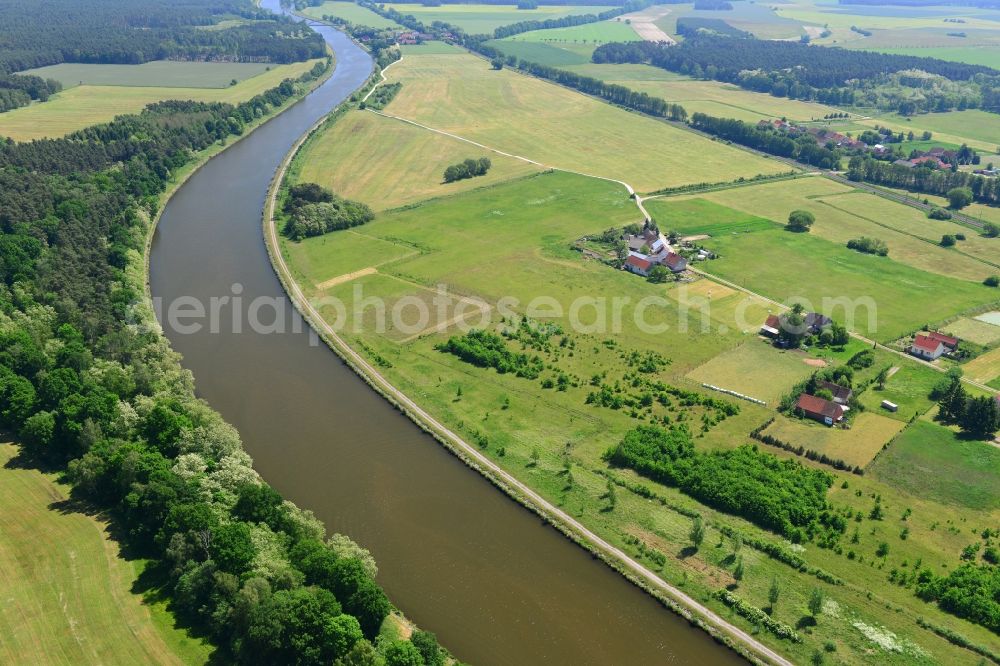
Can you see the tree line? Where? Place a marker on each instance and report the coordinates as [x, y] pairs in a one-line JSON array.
[[769, 140], [137, 31], [825, 74], [978, 416], [924, 179], [89, 386]]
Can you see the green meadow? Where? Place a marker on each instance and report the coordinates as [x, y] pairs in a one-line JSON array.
[[158, 73]]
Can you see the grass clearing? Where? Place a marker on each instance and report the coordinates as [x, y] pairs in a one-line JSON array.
[[857, 446], [973, 55], [352, 13], [83, 106], [484, 19], [979, 129], [558, 54], [927, 459], [67, 590], [558, 127], [909, 388], [155, 74], [361, 156], [741, 370]]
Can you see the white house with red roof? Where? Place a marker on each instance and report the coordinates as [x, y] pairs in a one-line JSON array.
[[639, 264], [927, 348]]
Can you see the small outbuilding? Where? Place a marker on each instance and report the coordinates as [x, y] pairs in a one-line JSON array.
[[890, 406]]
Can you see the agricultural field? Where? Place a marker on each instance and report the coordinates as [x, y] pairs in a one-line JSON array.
[[560, 128], [512, 239], [985, 368], [86, 105], [842, 213], [974, 330], [888, 299], [976, 210], [68, 595], [484, 19], [155, 74], [385, 147], [350, 12]]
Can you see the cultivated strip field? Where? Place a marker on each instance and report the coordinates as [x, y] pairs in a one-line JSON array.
[[558, 127], [158, 73], [86, 105], [483, 19]]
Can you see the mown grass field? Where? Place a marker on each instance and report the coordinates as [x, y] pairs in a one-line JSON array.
[[927, 458], [558, 127], [363, 153], [973, 55], [67, 595], [858, 446], [512, 239], [351, 12], [976, 211], [843, 213], [909, 387], [85, 105], [158, 73], [740, 370], [484, 19]]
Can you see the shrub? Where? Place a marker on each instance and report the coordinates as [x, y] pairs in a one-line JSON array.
[[869, 246], [469, 168], [800, 220], [939, 214]]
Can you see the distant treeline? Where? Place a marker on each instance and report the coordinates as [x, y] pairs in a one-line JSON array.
[[690, 26], [768, 140], [923, 179], [568, 21], [136, 31], [983, 4], [799, 71]]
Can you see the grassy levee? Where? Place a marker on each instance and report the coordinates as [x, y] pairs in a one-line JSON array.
[[87, 105], [521, 115], [67, 588]]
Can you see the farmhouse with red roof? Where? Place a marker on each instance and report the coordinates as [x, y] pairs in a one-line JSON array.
[[818, 409], [927, 348]]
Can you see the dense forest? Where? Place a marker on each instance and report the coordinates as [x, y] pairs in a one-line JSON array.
[[35, 34], [88, 384], [825, 74]]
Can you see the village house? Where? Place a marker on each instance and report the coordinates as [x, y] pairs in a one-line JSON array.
[[925, 160], [675, 262], [818, 409], [841, 394], [771, 327], [927, 348], [815, 323], [950, 342], [638, 264]]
